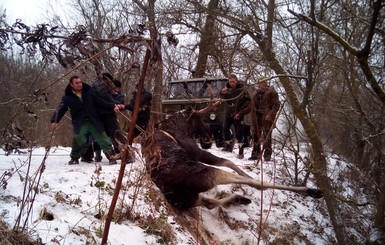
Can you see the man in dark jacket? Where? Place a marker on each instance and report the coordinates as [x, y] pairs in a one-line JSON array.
[[109, 89], [118, 95], [144, 113], [105, 87], [265, 105], [82, 101], [236, 98]]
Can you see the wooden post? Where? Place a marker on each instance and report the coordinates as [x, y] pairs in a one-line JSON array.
[[125, 153]]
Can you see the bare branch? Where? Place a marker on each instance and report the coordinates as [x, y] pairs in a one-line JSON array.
[[327, 30]]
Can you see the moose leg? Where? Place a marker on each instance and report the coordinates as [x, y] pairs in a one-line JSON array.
[[211, 203], [211, 159], [224, 177], [206, 157]]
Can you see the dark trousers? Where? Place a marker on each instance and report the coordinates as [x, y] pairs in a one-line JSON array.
[[238, 126], [261, 136], [112, 127], [142, 121], [92, 147]]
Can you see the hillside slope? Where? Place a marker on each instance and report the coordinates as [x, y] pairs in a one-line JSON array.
[[78, 198]]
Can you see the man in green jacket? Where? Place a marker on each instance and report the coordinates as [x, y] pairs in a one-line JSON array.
[[265, 105]]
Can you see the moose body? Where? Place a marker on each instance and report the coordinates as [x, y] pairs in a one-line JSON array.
[[182, 170]]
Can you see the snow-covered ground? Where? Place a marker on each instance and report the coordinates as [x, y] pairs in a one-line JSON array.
[[77, 194]]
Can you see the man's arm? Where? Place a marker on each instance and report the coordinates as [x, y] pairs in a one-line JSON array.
[[243, 112], [106, 104], [246, 100], [246, 108], [119, 98], [275, 103], [59, 113], [130, 105]]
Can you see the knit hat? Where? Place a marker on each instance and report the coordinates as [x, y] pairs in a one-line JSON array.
[[117, 83]]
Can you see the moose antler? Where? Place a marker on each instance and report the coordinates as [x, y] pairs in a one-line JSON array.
[[211, 104]]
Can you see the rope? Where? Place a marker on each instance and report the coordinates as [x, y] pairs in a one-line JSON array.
[[136, 125]]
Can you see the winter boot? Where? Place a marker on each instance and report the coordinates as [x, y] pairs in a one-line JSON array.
[[112, 157], [74, 160], [229, 146], [241, 151], [254, 154], [83, 159], [253, 158], [267, 158], [267, 153], [225, 146], [98, 156]]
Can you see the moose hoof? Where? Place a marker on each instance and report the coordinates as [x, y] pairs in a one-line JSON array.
[[241, 200], [315, 193]]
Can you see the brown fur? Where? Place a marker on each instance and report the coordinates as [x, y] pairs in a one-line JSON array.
[[175, 163]]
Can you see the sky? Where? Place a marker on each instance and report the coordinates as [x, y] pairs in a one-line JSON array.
[[70, 193], [27, 10]]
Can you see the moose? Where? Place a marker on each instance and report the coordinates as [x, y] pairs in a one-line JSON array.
[[182, 170]]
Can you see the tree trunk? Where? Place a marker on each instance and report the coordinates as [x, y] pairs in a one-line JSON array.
[[320, 162], [156, 63], [380, 207], [158, 69], [208, 37], [362, 56]]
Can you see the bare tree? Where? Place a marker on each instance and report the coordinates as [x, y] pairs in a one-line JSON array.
[[156, 64], [311, 51], [299, 94], [207, 40], [363, 54], [361, 126]]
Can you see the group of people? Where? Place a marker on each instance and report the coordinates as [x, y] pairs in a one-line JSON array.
[[93, 113], [263, 105], [96, 127]]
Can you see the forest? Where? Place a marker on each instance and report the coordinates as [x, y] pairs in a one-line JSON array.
[[325, 58]]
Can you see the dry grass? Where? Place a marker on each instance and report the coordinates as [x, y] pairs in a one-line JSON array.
[[158, 226], [11, 237]]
